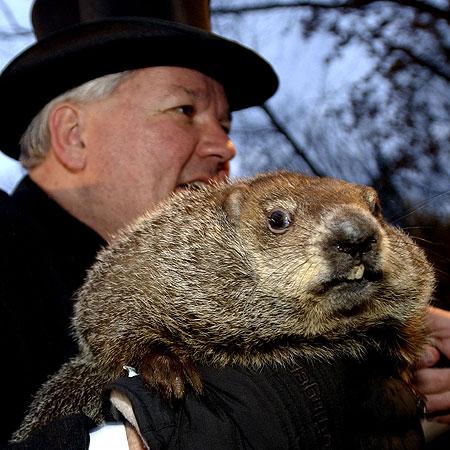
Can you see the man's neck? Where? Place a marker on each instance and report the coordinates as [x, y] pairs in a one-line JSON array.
[[68, 191]]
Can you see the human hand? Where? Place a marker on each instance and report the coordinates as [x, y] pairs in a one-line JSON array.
[[134, 440], [434, 382]]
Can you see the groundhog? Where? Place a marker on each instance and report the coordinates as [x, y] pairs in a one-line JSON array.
[[251, 273]]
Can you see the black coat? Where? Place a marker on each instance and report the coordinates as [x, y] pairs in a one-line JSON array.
[[44, 254]]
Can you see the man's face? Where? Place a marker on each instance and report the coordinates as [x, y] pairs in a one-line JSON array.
[[163, 128]]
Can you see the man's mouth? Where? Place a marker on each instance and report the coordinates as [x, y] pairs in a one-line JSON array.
[[196, 184], [192, 185]]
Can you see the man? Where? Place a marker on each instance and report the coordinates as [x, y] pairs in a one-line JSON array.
[[88, 177], [100, 153]]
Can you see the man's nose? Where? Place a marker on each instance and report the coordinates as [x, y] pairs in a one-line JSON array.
[[215, 142]]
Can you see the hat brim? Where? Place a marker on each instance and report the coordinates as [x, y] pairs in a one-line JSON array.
[[71, 57]]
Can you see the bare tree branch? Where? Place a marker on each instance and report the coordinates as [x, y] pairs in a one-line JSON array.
[[351, 4], [6, 35], [292, 141], [11, 19], [415, 59]]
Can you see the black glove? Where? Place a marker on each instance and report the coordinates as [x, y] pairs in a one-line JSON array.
[[311, 406]]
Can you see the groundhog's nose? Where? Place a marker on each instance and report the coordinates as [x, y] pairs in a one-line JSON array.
[[355, 235], [355, 239]]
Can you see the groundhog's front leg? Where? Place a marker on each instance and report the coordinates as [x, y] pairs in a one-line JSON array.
[[170, 374]]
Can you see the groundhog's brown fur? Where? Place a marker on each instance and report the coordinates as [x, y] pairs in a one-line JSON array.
[[251, 273]]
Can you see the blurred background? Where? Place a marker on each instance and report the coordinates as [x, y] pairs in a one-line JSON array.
[[364, 96]]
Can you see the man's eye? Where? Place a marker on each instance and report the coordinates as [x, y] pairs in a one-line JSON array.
[[187, 110]]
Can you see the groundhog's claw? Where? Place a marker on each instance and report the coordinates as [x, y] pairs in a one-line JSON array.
[[170, 375]]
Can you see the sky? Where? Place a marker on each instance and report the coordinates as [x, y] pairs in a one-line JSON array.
[[10, 170]]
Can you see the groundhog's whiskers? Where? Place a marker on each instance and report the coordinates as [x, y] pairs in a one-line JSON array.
[[419, 207]]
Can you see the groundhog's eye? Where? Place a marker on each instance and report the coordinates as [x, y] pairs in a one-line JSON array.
[[279, 221]]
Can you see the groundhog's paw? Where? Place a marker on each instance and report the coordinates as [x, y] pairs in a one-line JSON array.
[[170, 375]]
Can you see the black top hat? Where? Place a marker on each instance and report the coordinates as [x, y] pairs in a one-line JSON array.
[[79, 40]]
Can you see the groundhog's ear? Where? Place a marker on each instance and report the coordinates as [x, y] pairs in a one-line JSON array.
[[234, 200], [373, 201]]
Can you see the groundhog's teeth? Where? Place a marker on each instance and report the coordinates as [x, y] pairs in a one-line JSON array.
[[356, 273]]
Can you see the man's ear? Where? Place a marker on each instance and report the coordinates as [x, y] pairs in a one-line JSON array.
[[65, 122]]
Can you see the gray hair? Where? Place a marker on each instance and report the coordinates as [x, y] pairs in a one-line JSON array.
[[35, 142]]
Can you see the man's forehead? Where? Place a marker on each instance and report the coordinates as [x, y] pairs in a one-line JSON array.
[[178, 76], [169, 81], [197, 92]]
